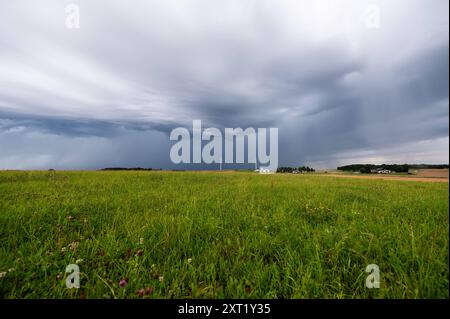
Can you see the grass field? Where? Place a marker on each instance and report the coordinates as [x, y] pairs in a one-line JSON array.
[[221, 235]]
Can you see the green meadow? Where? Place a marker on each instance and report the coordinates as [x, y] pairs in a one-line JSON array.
[[220, 235]]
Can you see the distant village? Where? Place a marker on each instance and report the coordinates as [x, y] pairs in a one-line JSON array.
[[388, 168]]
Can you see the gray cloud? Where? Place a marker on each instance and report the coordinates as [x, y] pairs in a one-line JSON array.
[[337, 90]]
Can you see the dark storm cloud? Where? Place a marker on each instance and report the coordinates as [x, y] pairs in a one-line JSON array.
[[76, 127], [428, 75], [337, 89]]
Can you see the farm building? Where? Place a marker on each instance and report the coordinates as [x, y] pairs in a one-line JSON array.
[[381, 171]]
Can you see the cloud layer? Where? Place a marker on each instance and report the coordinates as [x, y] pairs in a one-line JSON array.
[[339, 88]]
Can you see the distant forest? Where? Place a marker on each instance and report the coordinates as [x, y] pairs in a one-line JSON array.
[[300, 169], [399, 168], [128, 169]]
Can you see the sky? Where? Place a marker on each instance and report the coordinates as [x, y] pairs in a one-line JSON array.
[[344, 81]]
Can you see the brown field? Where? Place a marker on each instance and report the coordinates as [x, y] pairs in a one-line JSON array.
[[432, 173]]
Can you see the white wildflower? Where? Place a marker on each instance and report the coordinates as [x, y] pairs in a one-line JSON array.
[[73, 245]]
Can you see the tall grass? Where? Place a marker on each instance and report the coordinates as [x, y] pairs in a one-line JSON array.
[[221, 235]]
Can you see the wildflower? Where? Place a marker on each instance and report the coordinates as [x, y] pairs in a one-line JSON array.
[[70, 217], [161, 278], [73, 245], [123, 283], [148, 291], [63, 249], [189, 260], [79, 261], [141, 241], [140, 292], [59, 276], [11, 269], [2, 274]]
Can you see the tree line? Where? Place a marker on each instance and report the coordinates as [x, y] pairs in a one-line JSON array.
[[398, 168], [300, 169], [367, 168], [128, 169]]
